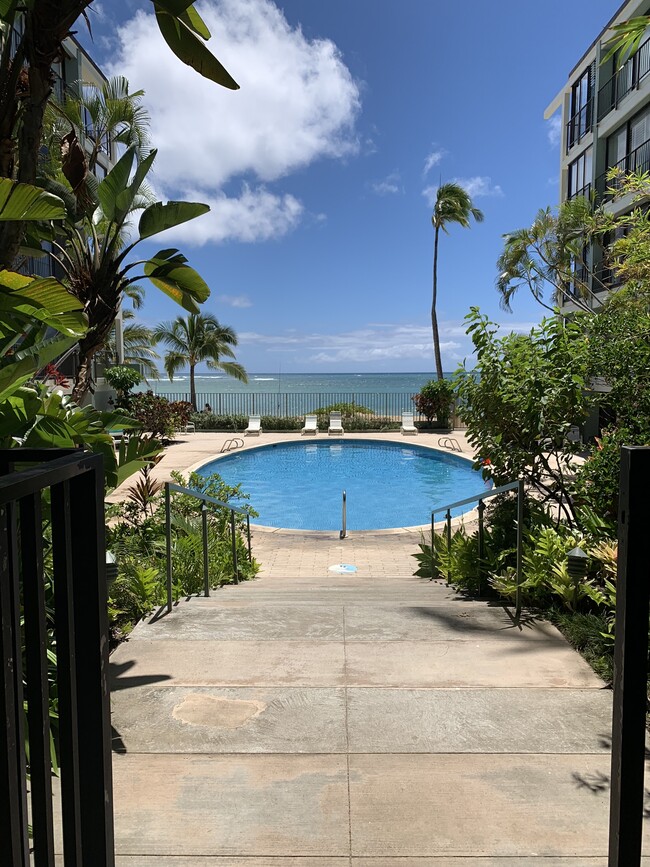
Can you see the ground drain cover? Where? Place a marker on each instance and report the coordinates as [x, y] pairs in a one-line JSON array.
[[342, 568]]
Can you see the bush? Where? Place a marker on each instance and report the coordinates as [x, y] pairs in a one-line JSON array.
[[123, 379], [212, 421], [136, 535], [435, 400], [157, 415]]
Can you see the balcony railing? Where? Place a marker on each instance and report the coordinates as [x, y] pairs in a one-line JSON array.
[[579, 124], [583, 191], [637, 160], [624, 80]]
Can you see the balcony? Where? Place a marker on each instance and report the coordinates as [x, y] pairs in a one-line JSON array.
[[624, 80], [583, 191], [579, 124], [637, 160]]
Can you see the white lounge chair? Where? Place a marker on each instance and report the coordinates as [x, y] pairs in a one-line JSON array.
[[254, 426], [311, 425], [408, 428], [335, 428]]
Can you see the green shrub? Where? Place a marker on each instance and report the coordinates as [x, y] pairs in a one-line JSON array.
[[212, 421], [281, 423], [157, 415], [123, 379], [435, 400]]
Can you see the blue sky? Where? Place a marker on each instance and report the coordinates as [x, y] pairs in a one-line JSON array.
[[320, 170]]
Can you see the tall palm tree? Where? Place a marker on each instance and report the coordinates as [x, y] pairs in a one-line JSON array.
[[199, 337], [453, 205]]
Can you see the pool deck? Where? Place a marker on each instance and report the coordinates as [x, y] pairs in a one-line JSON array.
[[379, 554]]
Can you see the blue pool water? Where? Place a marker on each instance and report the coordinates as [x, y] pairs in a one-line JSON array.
[[299, 484]]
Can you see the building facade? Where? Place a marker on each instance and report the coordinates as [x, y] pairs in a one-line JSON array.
[[605, 111]]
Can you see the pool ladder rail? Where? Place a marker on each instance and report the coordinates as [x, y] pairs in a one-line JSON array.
[[344, 528], [449, 443], [234, 443]]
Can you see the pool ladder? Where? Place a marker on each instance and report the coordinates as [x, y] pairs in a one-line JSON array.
[[344, 529], [234, 443]]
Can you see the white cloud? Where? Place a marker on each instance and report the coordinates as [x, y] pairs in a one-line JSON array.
[[298, 103], [234, 300], [479, 186], [554, 130], [255, 215], [389, 186], [372, 343], [433, 159]]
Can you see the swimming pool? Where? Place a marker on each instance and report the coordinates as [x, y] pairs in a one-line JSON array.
[[299, 485]]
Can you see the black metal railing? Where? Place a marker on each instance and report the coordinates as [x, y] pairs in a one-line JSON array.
[[169, 487], [579, 124], [583, 191], [479, 499], [624, 80], [637, 160], [53, 590], [389, 405]]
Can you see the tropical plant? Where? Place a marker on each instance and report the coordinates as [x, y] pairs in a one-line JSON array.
[[520, 401], [33, 35], [106, 115], [157, 415], [435, 400], [195, 339], [123, 379], [91, 251], [453, 205], [549, 258]]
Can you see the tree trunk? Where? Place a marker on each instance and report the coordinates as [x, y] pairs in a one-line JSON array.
[[192, 387], [434, 315], [46, 26]]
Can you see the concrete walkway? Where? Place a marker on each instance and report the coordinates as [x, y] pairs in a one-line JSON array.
[[370, 720]]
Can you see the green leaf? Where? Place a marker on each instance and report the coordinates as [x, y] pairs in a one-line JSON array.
[[194, 21], [180, 282], [26, 202], [125, 199], [45, 300], [192, 51], [49, 432], [160, 216], [115, 183]]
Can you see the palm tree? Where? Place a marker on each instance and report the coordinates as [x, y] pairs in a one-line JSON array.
[[198, 338], [453, 205]]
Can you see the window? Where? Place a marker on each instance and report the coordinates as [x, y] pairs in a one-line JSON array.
[[628, 149], [580, 174], [580, 106]]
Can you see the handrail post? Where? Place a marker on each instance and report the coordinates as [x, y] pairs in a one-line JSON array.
[[248, 536], [481, 544], [344, 518], [233, 535], [206, 566], [433, 548], [520, 547], [168, 543], [448, 519]]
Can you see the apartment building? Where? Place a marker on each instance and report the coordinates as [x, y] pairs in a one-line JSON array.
[[605, 110]]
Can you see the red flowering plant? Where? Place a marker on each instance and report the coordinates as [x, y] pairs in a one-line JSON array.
[[52, 372]]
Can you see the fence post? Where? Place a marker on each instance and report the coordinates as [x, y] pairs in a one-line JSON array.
[[520, 546], [206, 567], [481, 544], [448, 519], [233, 535], [630, 661], [168, 543], [433, 548], [248, 536]]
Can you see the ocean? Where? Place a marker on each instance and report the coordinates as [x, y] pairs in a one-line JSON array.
[[289, 394]]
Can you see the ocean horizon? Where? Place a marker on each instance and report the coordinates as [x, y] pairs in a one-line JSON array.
[[288, 383], [294, 394]]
